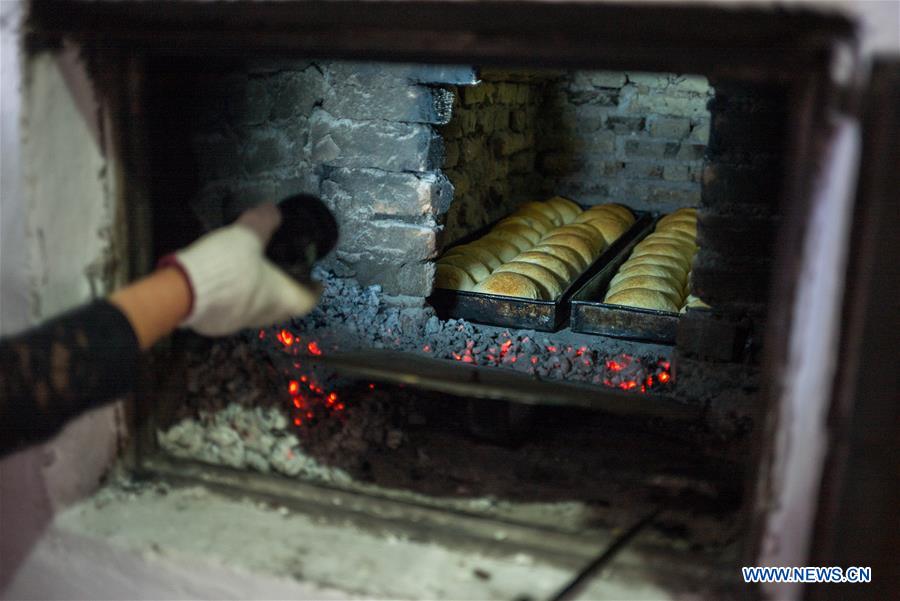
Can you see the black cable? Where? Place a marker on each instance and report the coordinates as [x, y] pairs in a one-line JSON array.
[[593, 568]]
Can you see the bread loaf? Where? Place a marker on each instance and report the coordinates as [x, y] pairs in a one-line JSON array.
[[490, 260], [620, 210], [521, 243], [666, 251], [642, 298], [573, 258], [499, 247], [585, 231], [602, 212], [452, 278], [657, 271], [564, 271], [679, 226], [565, 207], [648, 282], [651, 243], [535, 219], [524, 231], [673, 235], [548, 283], [579, 244], [472, 266], [609, 228], [541, 208], [662, 260], [509, 284]]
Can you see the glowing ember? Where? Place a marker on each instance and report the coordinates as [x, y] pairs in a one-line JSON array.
[[285, 338], [663, 377], [313, 348], [293, 387]]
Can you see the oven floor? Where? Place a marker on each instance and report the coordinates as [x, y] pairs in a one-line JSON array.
[[157, 541]]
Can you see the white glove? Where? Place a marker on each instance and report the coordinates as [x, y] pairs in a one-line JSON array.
[[234, 285]]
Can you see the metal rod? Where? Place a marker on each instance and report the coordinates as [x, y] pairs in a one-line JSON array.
[[570, 590]]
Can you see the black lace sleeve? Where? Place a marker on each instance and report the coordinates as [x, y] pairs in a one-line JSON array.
[[56, 371]]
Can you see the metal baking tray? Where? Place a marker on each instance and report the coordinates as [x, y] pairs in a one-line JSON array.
[[592, 316], [542, 315]]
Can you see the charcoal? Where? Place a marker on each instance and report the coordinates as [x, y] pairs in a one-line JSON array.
[[256, 401]]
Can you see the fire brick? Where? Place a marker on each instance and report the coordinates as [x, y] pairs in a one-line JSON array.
[[375, 192], [375, 144]]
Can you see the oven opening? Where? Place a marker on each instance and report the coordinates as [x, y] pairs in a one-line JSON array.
[[565, 412]]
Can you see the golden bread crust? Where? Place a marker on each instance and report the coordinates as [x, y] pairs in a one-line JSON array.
[[499, 247], [563, 270], [534, 219], [509, 284], [542, 209], [565, 207], [525, 231], [579, 244], [608, 227], [574, 259], [649, 282], [520, 242], [452, 278], [490, 260], [472, 266], [663, 260], [642, 298], [549, 285]]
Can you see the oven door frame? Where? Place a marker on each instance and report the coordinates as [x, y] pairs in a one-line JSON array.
[[797, 48]]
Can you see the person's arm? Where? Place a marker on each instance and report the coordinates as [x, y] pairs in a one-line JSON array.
[[155, 305], [219, 285]]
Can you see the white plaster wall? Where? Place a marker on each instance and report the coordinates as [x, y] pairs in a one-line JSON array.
[[68, 213], [14, 314], [57, 211]]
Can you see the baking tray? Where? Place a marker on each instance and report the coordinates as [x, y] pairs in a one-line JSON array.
[[591, 316], [542, 315]]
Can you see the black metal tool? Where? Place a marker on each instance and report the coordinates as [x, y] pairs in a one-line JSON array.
[[308, 232]]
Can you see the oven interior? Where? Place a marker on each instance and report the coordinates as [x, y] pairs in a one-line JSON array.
[[377, 395]]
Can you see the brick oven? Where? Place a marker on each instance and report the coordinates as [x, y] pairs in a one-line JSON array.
[[656, 460]]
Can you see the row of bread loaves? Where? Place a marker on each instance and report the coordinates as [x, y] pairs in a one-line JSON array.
[[536, 252], [657, 273]]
